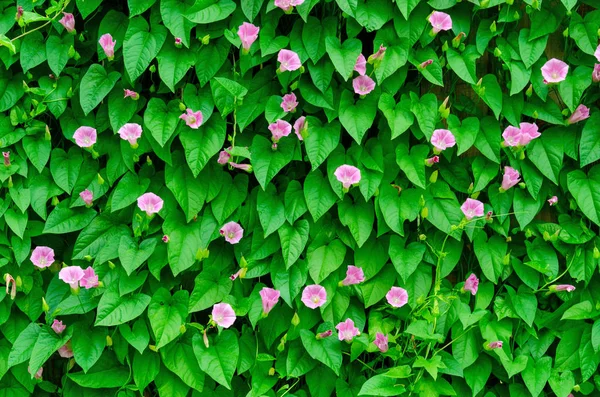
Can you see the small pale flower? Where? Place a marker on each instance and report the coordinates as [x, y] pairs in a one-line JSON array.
[[269, 298], [108, 45], [300, 127], [232, 231], [131, 94], [38, 374], [87, 196], [346, 330], [68, 22], [314, 296], [562, 287], [555, 71], [378, 56], [596, 73], [58, 326], [66, 351], [279, 129], [363, 85], [361, 65], [85, 136], [19, 14], [243, 167], [432, 160], [288, 60], [397, 297], [71, 275], [237, 274], [354, 275], [597, 53], [442, 139], [423, 65], [289, 103], [323, 335], [348, 175], [248, 33], [12, 291], [510, 178], [6, 156], [192, 119], [150, 203], [381, 341], [529, 132], [581, 113], [512, 136], [223, 157], [223, 315], [472, 284], [495, 345], [42, 256], [553, 200], [89, 279], [285, 5], [165, 239], [472, 208], [440, 21], [178, 42]]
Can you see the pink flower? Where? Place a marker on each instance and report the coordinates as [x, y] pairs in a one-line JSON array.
[[442, 139], [553, 200], [223, 315], [300, 127], [361, 65], [323, 335], [12, 291], [85, 136], [232, 231], [165, 239], [87, 196], [68, 22], [279, 129], [378, 56], [89, 279], [150, 203], [314, 296], [6, 156], [286, 5], [66, 351], [223, 157], [596, 73], [529, 131], [248, 34], [346, 330], [597, 53], [269, 298], [363, 85], [512, 136], [192, 119], [510, 178], [581, 113], [432, 160], [237, 274], [423, 65], [472, 208], [471, 284], [554, 71], [19, 13], [381, 341], [108, 45], [42, 256], [38, 374], [348, 175], [71, 275], [288, 60], [178, 42], [495, 345], [131, 94], [440, 21], [354, 275], [289, 103], [562, 287], [397, 297], [58, 326], [243, 167]]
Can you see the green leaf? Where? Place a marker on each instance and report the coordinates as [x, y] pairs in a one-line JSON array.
[[232, 195], [425, 110], [359, 217], [115, 310], [57, 52], [490, 92], [88, 345], [399, 116], [133, 256], [321, 140], [271, 212], [314, 35], [585, 30], [179, 358], [586, 190], [227, 94], [167, 314], [381, 385], [328, 350], [525, 304], [137, 7], [137, 336], [536, 374], [561, 383], [46, 344], [251, 8], [189, 191], [95, 85], [23, 346], [141, 46], [209, 288], [145, 368], [343, 56], [128, 190], [63, 219], [220, 359], [405, 259], [174, 63], [162, 119], [357, 117], [546, 153], [293, 240], [374, 290], [207, 11], [324, 260], [589, 146], [413, 164], [490, 254], [531, 51], [580, 311], [267, 162], [106, 373], [38, 150], [33, 50], [17, 221], [464, 64], [87, 7]]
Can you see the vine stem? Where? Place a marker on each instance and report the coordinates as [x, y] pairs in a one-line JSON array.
[[43, 25]]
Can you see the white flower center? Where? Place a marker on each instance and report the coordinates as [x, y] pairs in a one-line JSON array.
[[315, 299], [554, 75], [231, 234], [220, 318]]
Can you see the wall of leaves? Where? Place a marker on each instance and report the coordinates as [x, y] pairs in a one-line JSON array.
[[299, 198]]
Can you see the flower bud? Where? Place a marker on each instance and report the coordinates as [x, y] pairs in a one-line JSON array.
[[206, 39], [295, 320], [71, 52], [529, 91], [88, 258], [153, 348], [422, 237], [111, 265], [497, 52], [506, 259], [100, 180], [445, 46], [576, 388], [493, 27], [205, 339], [55, 201], [182, 106], [109, 341], [424, 212], [433, 177], [152, 68], [182, 329], [596, 253], [566, 33], [271, 371]]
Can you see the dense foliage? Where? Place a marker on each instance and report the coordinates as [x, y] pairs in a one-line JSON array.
[[299, 197]]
